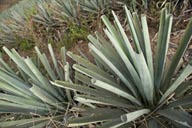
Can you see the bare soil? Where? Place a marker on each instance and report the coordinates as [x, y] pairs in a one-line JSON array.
[[5, 4]]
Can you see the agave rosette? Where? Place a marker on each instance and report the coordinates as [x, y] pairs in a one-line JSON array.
[[28, 92], [14, 21], [94, 6], [127, 87]]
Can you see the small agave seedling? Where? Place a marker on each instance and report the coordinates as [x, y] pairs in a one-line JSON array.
[[27, 95], [126, 87]]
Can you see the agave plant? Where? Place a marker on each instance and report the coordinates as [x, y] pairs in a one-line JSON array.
[[13, 24], [94, 6], [28, 92], [127, 87], [6, 14], [65, 9]]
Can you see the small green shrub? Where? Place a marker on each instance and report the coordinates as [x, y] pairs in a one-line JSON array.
[[73, 34], [25, 44]]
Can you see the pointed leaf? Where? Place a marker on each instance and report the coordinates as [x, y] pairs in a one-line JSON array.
[[180, 117]]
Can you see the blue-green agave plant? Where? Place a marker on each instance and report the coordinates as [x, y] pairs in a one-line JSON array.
[[27, 98], [126, 87]]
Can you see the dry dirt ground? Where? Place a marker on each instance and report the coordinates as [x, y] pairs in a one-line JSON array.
[[4, 4]]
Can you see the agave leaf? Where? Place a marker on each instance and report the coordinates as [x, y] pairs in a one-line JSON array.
[[88, 91], [138, 30], [19, 61], [94, 74], [63, 55], [164, 122], [106, 45], [67, 79], [87, 81], [95, 117], [115, 90], [112, 66], [146, 79], [21, 86], [162, 46], [21, 100], [179, 117], [148, 52], [132, 30], [187, 100], [8, 107], [14, 75], [84, 121], [185, 73], [127, 44], [27, 122], [185, 86], [43, 95], [103, 45], [47, 98], [44, 82], [102, 101], [126, 118], [79, 88], [113, 123], [88, 65], [10, 89], [133, 74], [117, 37], [84, 79], [4, 65], [184, 42], [55, 62], [152, 123], [177, 125], [99, 62], [40, 125], [23, 75], [134, 115], [45, 63], [85, 111]]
